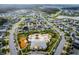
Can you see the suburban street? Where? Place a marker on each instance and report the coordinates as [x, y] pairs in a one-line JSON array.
[[39, 30], [61, 45], [13, 50]]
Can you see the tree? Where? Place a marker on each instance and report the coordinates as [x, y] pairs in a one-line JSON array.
[[4, 51], [7, 50], [5, 42], [2, 21], [77, 33], [7, 33]]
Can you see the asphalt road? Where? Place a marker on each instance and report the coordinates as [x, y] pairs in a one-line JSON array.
[[13, 50], [60, 46]]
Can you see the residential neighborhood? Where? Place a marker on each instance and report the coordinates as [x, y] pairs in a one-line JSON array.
[[39, 30]]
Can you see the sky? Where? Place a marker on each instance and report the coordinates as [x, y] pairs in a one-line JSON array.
[[33, 5]]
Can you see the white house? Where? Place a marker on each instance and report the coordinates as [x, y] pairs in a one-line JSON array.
[[38, 41]]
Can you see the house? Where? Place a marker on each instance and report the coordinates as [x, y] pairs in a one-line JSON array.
[[38, 41], [1, 35], [3, 29]]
